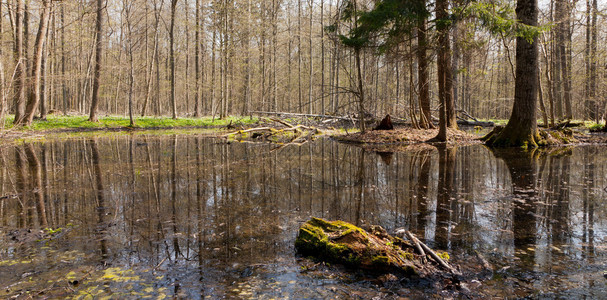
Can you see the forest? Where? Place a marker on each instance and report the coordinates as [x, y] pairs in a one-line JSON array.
[[220, 58], [322, 149]]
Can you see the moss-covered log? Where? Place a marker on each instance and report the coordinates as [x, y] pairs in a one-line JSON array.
[[344, 243]]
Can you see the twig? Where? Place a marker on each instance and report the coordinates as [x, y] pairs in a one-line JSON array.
[[483, 261], [435, 256], [281, 122], [415, 242]]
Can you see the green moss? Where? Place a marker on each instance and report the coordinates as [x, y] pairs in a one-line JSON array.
[[311, 239], [444, 255], [52, 231], [406, 255], [595, 126], [347, 244], [380, 260]]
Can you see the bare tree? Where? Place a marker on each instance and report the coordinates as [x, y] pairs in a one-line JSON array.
[[20, 70], [34, 92], [172, 59], [98, 56]]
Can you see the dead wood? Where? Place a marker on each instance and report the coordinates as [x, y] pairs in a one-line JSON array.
[[432, 254], [385, 124]]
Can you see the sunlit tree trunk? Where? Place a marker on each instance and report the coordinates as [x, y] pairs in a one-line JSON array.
[[311, 65], [187, 58], [172, 59], [98, 57], [299, 95], [34, 89], [593, 61], [322, 59], [20, 70], [2, 82], [247, 52], [445, 78], [128, 7], [521, 130], [423, 81]]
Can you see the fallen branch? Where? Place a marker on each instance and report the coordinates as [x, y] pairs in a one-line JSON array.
[[462, 121], [415, 243], [484, 262], [433, 254], [281, 122], [248, 130]]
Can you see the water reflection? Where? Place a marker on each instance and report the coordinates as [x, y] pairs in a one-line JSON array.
[[193, 216]]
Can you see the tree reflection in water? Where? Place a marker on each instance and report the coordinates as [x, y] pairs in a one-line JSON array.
[[221, 218]]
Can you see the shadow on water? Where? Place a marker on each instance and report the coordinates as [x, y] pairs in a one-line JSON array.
[[191, 217]]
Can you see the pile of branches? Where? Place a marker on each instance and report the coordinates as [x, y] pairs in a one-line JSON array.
[[283, 133]]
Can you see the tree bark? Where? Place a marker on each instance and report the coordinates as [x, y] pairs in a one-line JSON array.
[[129, 36], [34, 91], [521, 130], [20, 70], [593, 61], [422, 69], [172, 58], [445, 78], [98, 57]]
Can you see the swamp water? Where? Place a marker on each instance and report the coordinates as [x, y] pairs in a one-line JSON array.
[[197, 217]]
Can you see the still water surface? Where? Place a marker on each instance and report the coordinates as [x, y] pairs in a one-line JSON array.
[[196, 217]]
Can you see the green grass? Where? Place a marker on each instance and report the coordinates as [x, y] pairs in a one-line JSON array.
[[81, 122]]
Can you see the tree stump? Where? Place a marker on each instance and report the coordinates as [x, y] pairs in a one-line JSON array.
[[385, 124]]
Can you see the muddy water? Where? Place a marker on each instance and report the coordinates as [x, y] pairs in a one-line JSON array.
[[195, 217]]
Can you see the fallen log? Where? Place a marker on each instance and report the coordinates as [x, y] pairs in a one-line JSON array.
[[372, 250], [346, 244], [248, 130], [474, 123]]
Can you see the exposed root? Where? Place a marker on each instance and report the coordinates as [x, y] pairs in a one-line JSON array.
[[542, 138]]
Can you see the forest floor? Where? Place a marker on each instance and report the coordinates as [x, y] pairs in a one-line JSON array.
[[77, 125], [399, 138]]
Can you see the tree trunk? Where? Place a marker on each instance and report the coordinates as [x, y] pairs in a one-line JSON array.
[[593, 61], [299, 96], [541, 95], [98, 53], [172, 58], [361, 92], [422, 69], [187, 58], [521, 130], [34, 91], [63, 78], [197, 44], [44, 104], [2, 92], [311, 65], [445, 78], [129, 37], [20, 71]]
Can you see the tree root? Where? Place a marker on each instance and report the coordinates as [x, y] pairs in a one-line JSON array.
[[542, 138]]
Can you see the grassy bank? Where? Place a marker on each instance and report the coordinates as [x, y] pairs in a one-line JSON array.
[[57, 123]]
